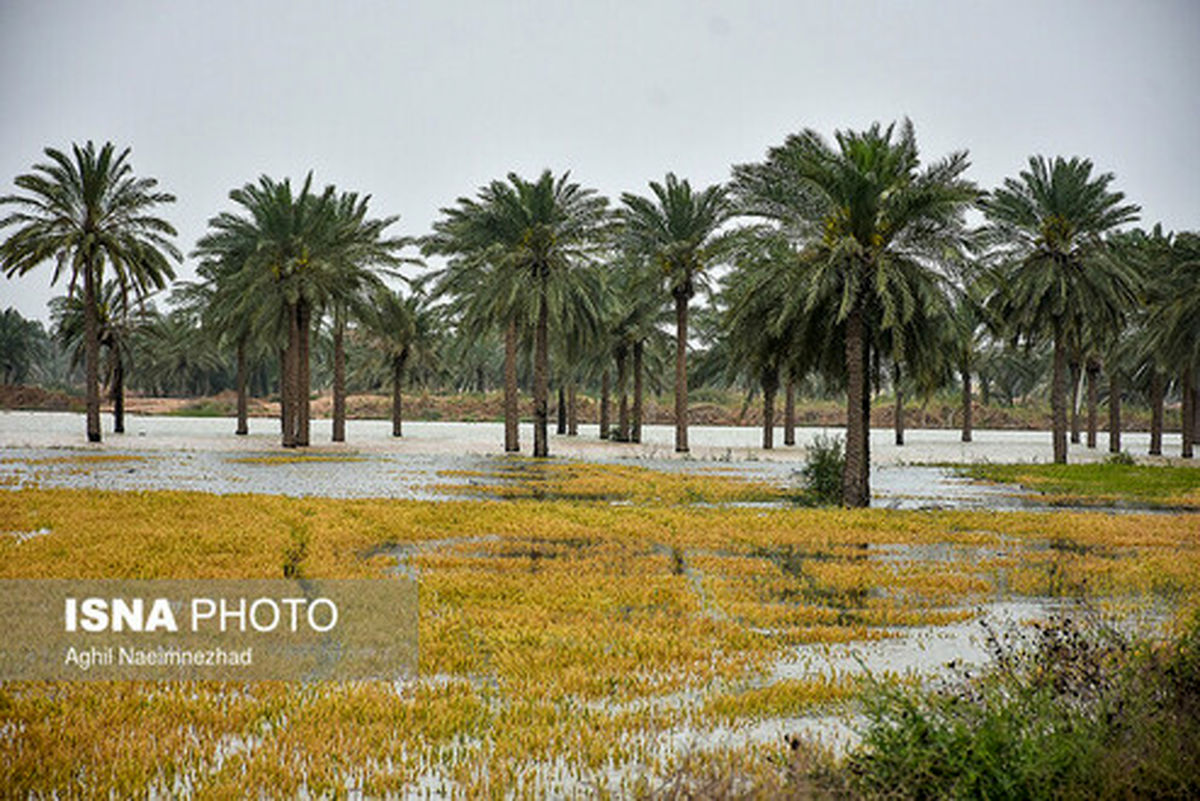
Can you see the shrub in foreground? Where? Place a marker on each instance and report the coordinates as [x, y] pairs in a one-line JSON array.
[[822, 472], [1073, 710]]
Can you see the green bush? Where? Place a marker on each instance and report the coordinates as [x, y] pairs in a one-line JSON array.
[[1073, 711], [822, 472]]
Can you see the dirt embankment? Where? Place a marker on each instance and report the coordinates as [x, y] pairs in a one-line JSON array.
[[490, 407], [19, 396]]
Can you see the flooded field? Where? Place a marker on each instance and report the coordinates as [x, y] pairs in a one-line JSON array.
[[708, 443], [585, 625]]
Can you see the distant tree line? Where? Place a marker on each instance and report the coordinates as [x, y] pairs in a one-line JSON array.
[[836, 267]]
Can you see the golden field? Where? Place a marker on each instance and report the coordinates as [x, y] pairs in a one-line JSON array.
[[562, 639]]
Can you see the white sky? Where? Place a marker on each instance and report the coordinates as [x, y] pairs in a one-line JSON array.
[[418, 103]]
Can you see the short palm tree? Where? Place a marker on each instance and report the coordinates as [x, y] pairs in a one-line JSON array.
[[92, 216], [119, 327], [759, 338], [873, 223], [483, 298], [1058, 277], [350, 281], [225, 309], [403, 331], [678, 231], [1174, 324], [529, 237]]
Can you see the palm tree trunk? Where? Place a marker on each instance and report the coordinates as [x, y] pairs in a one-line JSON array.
[[854, 492], [1156, 412], [118, 394], [91, 350], [1195, 413], [572, 412], [541, 375], [1076, 377], [289, 381], [512, 439], [865, 469], [242, 423], [681, 389], [789, 412], [604, 411], [968, 412], [1058, 397], [770, 385], [304, 367], [1187, 415], [898, 411], [339, 376], [1093, 391], [1114, 411], [397, 404], [284, 398], [635, 433], [622, 394], [561, 411]]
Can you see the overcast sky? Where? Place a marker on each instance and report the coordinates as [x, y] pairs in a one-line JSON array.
[[418, 103]]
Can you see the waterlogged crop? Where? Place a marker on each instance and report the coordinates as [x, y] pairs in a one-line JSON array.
[[1098, 484], [563, 643], [537, 480]]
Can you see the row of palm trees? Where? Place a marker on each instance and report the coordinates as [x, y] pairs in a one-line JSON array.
[[846, 259]]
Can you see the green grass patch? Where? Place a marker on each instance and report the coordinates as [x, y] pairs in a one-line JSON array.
[[1084, 484]]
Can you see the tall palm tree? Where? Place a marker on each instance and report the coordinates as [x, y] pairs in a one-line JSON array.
[[534, 235], [873, 221], [678, 230], [89, 213], [294, 242], [1048, 226]]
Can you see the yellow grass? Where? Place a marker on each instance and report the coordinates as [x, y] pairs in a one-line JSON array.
[[552, 632]]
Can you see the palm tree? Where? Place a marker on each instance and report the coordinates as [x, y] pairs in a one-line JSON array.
[[759, 339], [873, 222], [969, 324], [403, 331], [295, 245], [176, 355], [89, 213], [678, 231], [483, 299], [22, 344], [1048, 225], [1174, 324], [225, 307], [533, 235], [350, 279], [118, 329]]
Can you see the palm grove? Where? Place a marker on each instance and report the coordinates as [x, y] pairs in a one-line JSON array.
[[846, 265]]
